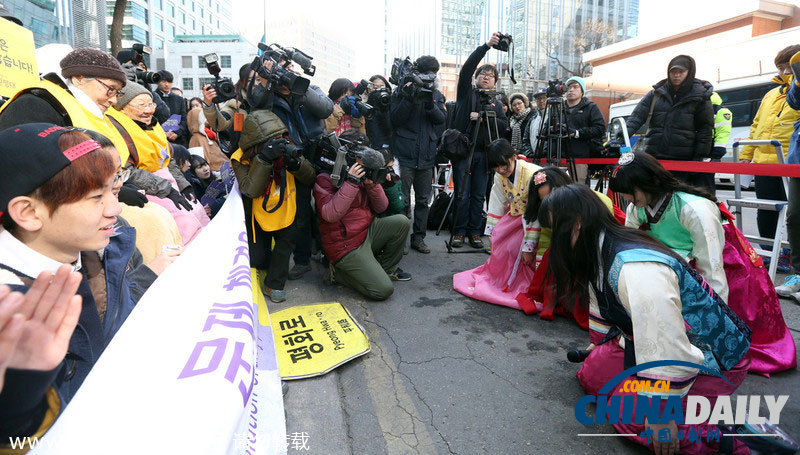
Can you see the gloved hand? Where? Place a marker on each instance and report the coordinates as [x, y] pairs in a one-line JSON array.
[[291, 157], [408, 91], [354, 112], [273, 149], [179, 200], [188, 193], [344, 103], [129, 195], [130, 71]]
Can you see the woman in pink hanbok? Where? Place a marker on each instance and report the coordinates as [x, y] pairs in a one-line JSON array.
[[692, 223], [509, 269]]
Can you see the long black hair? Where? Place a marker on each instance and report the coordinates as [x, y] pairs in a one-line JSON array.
[[649, 176], [574, 267], [499, 153], [554, 177]]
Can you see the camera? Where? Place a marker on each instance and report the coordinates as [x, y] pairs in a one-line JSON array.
[[485, 96], [142, 76], [381, 98], [279, 75], [555, 88], [223, 85], [336, 155], [504, 44], [422, 84]]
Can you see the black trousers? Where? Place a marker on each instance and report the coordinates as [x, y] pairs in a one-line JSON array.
[[768, 188], [265, 256]]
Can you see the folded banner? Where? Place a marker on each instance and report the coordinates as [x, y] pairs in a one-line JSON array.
[[192, 370], [311, 340]]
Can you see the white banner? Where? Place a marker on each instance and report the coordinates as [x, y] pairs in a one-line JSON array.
[[193, 369]]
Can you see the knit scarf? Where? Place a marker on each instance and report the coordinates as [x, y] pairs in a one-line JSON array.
[[516, 128]]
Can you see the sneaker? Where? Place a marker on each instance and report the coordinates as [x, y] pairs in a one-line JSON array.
[[276, 295], [790, 286], [299, 270], [458, 241], [420, 246], [399, 275], [476, 242], [795, 297]]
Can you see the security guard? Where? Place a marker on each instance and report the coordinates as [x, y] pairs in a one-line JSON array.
[[722, 127]]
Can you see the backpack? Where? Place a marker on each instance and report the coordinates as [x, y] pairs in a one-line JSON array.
[[454, 145], [437, 210]]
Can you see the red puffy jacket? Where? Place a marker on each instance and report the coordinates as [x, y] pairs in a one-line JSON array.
[[345, 214]]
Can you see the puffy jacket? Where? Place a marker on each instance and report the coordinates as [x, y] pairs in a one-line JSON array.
[[775, 120], [415, 133], [793, 99], [682, 124], [345, 214], [588, 121]]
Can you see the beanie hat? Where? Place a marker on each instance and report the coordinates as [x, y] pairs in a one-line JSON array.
[[716, 100], [260, 126], [92, 63], [131, 91], [580, 82], [166, 76], [22, 173]]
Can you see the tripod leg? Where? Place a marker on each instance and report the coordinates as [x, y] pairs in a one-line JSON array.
[[467, 172]]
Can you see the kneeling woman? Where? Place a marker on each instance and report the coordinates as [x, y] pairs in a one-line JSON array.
[[659, 303], [688, 220], [509, 269]]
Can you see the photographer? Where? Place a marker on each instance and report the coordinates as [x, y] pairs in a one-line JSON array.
[[364, 251], [414, 144], [467, 118], [530, 139], [379, 126], [345, 114], [221, 115], [177, 106], [585, 124], [128, 58]]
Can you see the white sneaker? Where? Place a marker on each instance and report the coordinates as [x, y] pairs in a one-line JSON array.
[[790, 286]]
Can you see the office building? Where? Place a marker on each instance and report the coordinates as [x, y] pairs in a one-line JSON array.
[[79, 23]]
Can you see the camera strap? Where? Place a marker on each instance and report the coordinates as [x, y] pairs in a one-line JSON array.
[[278, 177], [336, 175], [511, 63]]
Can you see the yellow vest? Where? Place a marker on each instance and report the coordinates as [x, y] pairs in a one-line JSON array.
[[152, 146], [280, 218], [79, 116]]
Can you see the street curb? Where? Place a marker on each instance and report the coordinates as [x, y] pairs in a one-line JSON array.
[[314, 406]]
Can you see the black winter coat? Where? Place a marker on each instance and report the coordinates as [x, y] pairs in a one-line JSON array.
[[588, 121], [379, 129], [682, 124], [415, 130], [467, 100]]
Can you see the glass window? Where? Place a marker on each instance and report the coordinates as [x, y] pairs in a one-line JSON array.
[[171, 10], [158, 4], [158, 23], [158, 43], [186, 61], [200, 62], [38, 27], [202, 13], [188, 83], [194, 24], [138, 12], [183, 17], [225, 61], [205, 81], [171, 31]]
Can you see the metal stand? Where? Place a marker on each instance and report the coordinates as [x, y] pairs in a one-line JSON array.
[[553, 134], [486, 117]]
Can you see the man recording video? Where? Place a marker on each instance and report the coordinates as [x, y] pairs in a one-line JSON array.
[[469, 106], [415, 112]]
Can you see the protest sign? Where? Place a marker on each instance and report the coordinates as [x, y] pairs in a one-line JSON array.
[[17, 59]]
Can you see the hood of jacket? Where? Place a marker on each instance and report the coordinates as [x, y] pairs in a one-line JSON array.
[[698, 90]]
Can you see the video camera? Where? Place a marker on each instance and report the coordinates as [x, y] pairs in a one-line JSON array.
[[422, 84], [486, 96], [279, 75], [224, 86], [336, 155], [142, 76], [556, 88]]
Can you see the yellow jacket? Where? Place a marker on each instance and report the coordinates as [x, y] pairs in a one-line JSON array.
[[774, 120]]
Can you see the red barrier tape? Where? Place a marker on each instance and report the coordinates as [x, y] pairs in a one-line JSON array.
[[774, 170]]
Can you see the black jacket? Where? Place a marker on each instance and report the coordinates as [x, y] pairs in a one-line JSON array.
[[177, 106], [682, 125], [588, 121], [415, 133], [467, 101]]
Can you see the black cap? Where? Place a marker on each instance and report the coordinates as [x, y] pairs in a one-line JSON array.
[[30, 156]]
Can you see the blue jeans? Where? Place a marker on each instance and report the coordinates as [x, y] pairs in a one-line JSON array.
[[470, 213]]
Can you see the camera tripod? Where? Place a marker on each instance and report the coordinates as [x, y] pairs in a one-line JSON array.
[[553, 135], [489, 118]]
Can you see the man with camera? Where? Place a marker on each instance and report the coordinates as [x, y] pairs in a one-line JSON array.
[[177, 106], [471, 103], [364, 251], [379, 125], [415, 112], [585, 124], [133, 63]]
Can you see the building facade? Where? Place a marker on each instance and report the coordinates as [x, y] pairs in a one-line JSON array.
[[79, 23], [185, 60]]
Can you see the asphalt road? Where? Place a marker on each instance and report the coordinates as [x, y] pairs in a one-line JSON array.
[[451, 375]]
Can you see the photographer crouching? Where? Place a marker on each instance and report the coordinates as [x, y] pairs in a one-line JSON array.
[[364, 251], [415, 111], [469, 104]]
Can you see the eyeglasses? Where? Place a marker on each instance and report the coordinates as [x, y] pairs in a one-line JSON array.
[[111, 90], [486, 75], [143, 106], [121, 176]]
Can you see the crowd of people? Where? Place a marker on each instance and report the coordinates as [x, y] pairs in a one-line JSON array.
[[104, 180]]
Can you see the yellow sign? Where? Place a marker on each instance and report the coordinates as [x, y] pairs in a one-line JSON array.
[[17, 58], [311, 340]]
